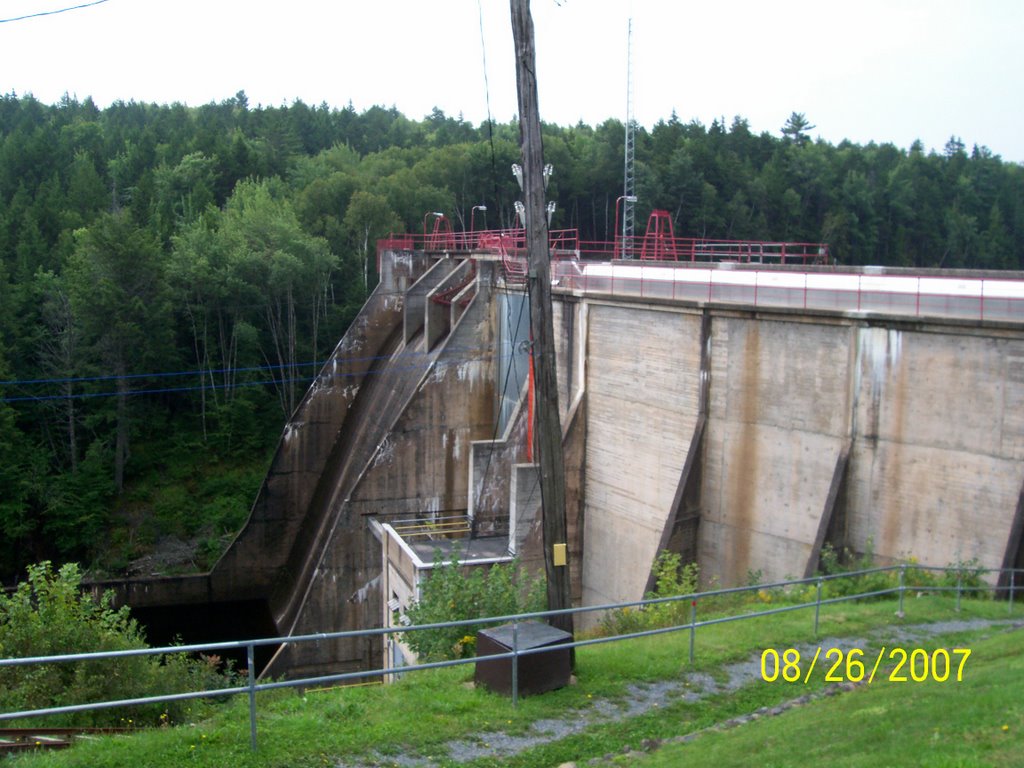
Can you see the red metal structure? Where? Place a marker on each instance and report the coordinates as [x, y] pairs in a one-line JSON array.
[[447, 296], [566, 243], [660, 240], [659, 243], [441, 237]]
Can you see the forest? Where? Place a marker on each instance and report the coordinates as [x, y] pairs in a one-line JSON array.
[[170, 276]]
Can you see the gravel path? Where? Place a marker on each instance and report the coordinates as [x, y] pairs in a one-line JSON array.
[[692, 687]]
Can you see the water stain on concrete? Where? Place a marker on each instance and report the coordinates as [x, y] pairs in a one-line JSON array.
[[745, 459]]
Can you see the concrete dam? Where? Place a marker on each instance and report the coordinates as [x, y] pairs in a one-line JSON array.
[[743, 415]]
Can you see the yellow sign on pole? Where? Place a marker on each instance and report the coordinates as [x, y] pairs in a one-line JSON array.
[[559, 554]]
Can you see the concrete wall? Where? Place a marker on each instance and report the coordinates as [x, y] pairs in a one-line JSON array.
[[411, 456], [936, 466], [257, 559], [931, 412], [492, 471], [642, 385], [777, 418], [422, 466]]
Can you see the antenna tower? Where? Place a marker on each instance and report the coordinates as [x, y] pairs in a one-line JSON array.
[[628, 176]]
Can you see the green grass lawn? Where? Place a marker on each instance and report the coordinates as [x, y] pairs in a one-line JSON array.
[[976, 722], [882, 724]]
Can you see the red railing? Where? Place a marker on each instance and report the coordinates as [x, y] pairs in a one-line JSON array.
[[565, 242], [509, 244], [658, 247]]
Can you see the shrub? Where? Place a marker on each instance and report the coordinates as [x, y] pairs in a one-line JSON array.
[[964, 573], [832, 564], [671, 578], [451, 593], [48, 615]]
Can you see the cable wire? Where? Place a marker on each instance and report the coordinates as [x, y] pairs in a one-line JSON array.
[[211, 371], [504, 388], [53, 13], [490, 119], [214, 386]]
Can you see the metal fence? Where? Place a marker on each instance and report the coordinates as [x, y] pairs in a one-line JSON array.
[[1006, 587], [566, 242]]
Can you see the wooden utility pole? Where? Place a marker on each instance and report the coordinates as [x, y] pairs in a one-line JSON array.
[[549, 428]]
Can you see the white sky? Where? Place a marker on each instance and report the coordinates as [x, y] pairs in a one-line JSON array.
[[882, 70]]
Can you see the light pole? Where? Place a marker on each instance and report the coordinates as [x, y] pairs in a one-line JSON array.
[[520, 214], [547, 172], [472, 214], [436, 240], [426, 216], [620, 243], [472, 224]]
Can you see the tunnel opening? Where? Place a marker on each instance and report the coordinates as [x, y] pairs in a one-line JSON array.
[[230, 621]]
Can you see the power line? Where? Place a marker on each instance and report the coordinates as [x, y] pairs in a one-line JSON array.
[[162, 390], [490, 119], [504, 388], [207, 371], [53, 13], [226, 385], [164, 375]]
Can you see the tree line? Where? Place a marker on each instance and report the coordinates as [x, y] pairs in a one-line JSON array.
[[170, 275]]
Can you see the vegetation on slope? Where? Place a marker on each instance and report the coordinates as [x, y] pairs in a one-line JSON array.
[[49, 614], [424, 714]]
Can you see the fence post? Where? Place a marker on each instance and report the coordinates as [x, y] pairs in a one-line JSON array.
[[903, 587], [959, 581], [1009, 609], [250, 654], [817, 608], [693, 627], [515, 664]]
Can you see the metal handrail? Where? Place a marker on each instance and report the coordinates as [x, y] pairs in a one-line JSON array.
[[695, 598], [563, 241]]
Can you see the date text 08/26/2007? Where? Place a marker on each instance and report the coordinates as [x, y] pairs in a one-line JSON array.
[[914, 665]]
